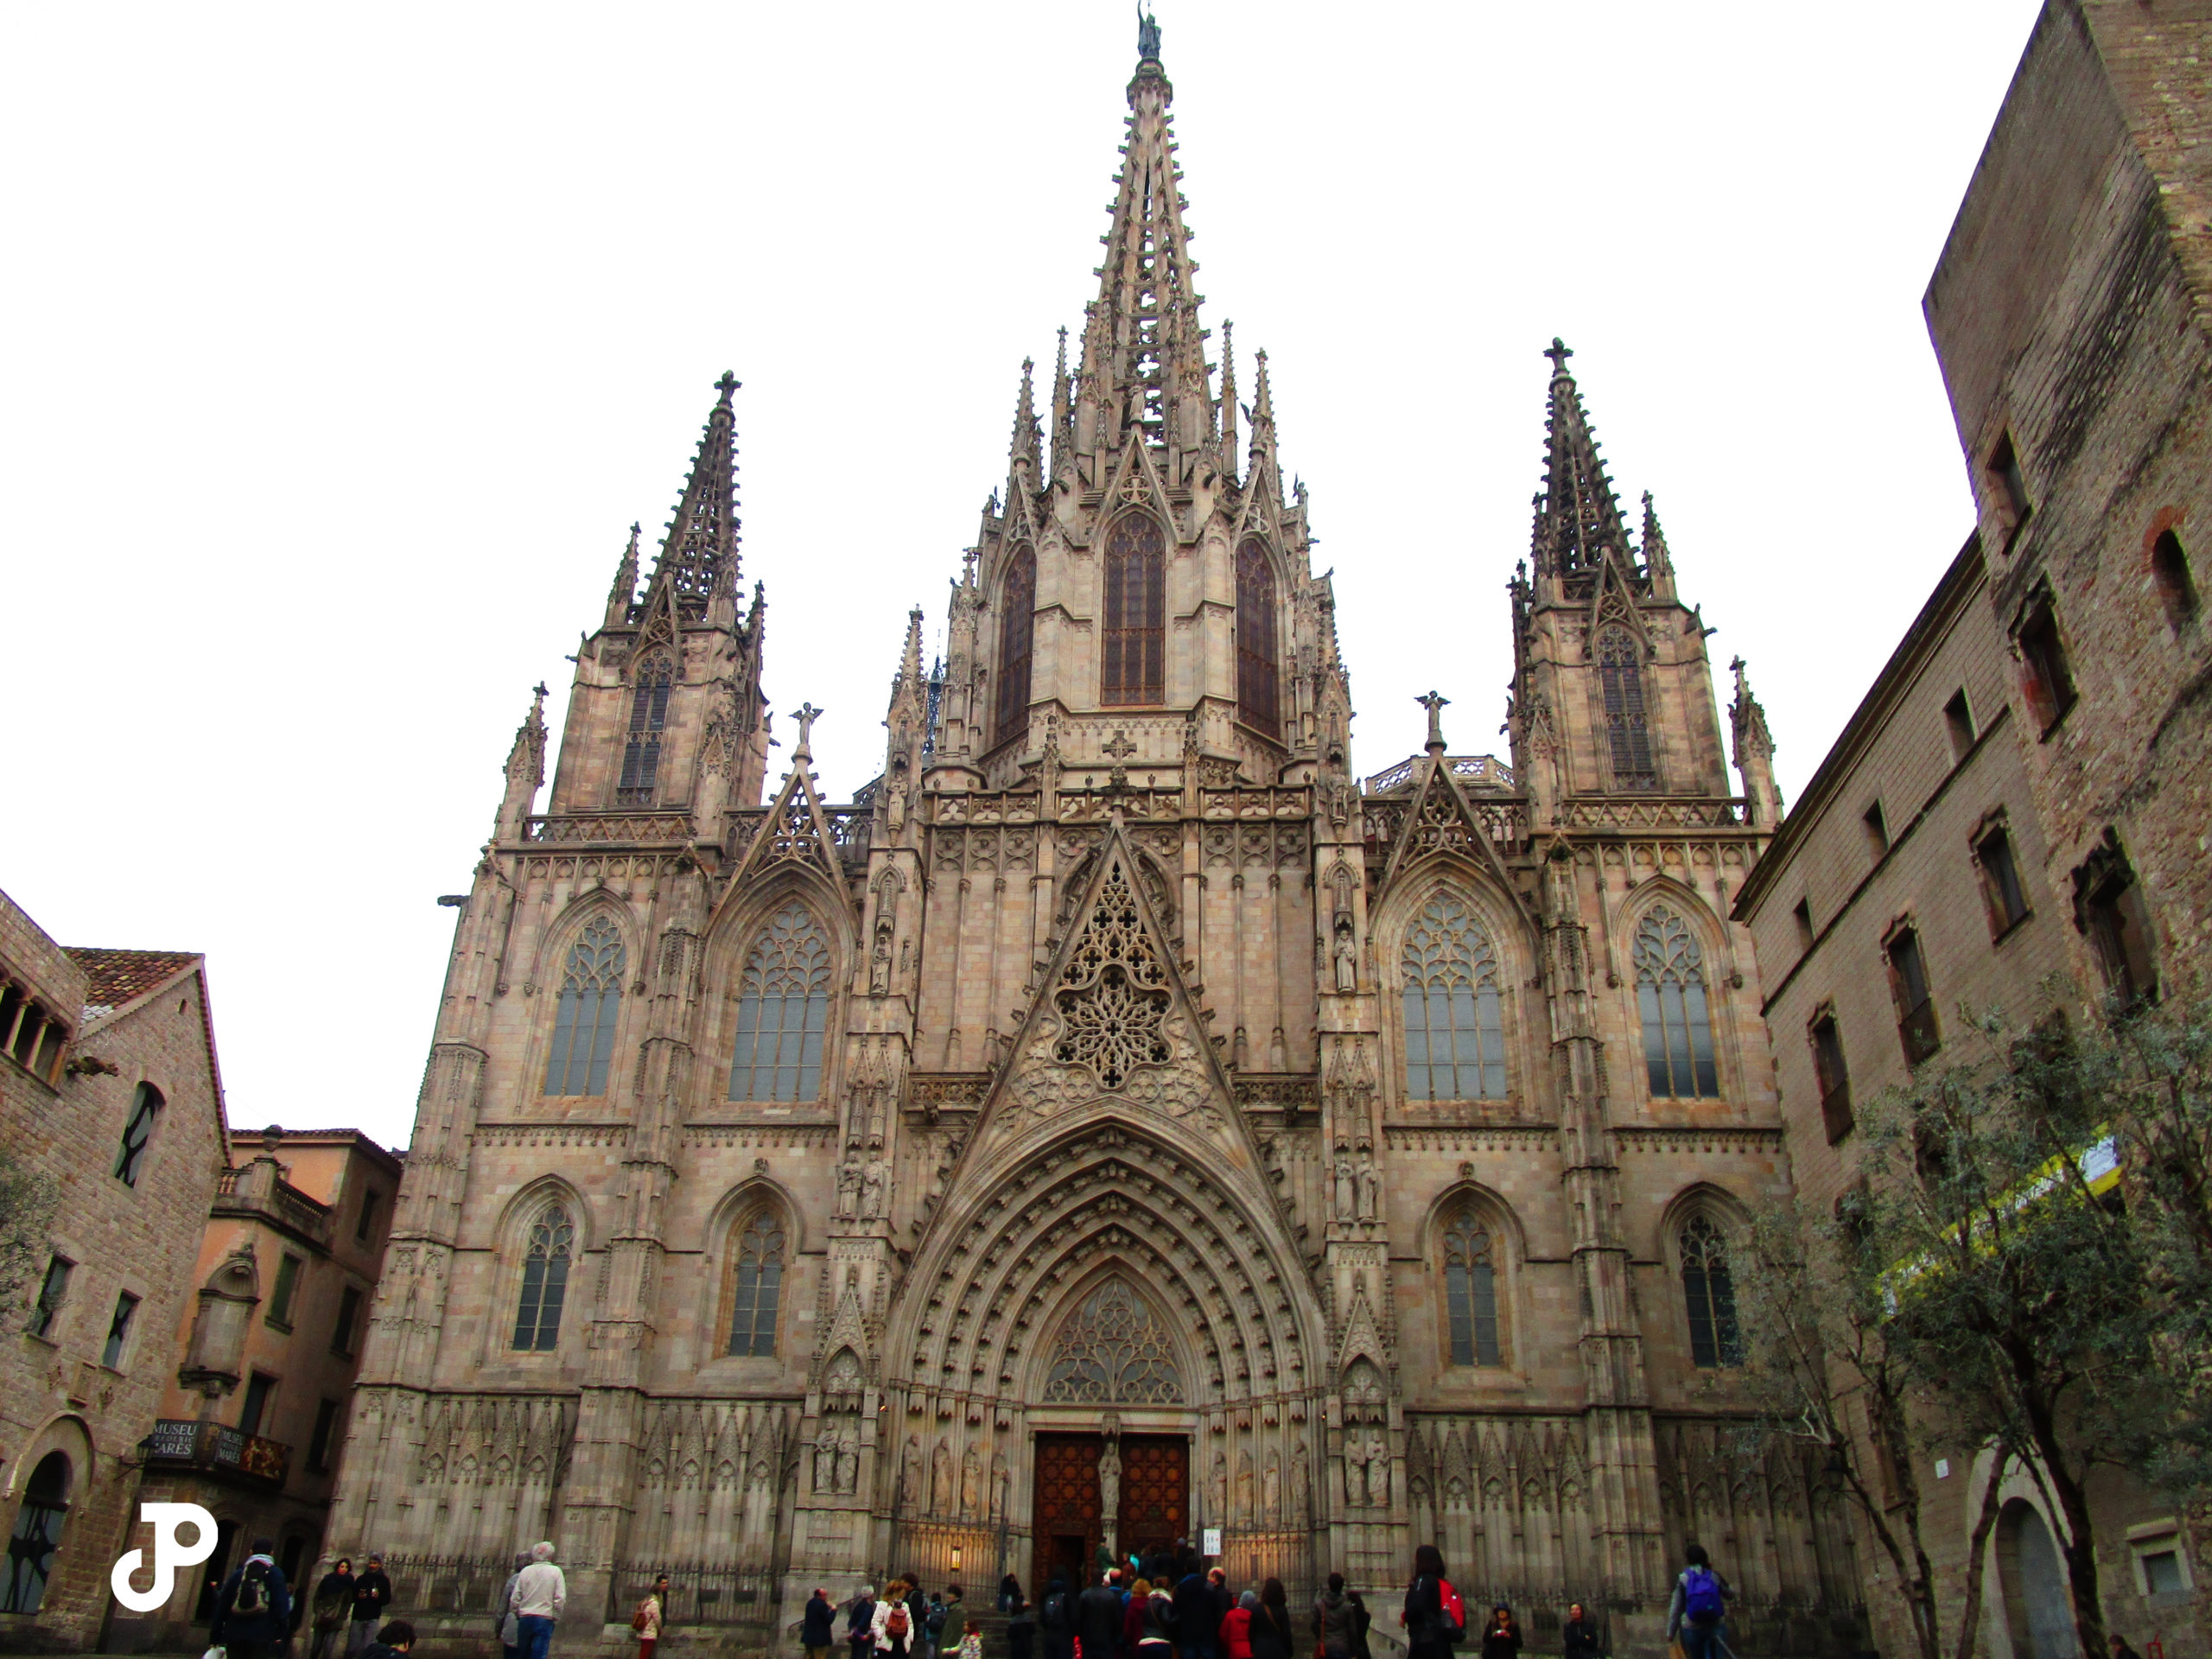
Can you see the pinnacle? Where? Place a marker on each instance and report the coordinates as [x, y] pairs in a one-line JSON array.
[[700, 555], [1578, 520]]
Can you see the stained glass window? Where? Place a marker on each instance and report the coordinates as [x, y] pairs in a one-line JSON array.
[[1710, 1296], [1670, 996], [544, 1280], [783, 1008], [1259, 700], [1113, 1349], [756, 1285], [1455, 1049], [1620, 674], [1470, 1291], [583, 1019], [1017, 638], [641, 745], [1134, 668]]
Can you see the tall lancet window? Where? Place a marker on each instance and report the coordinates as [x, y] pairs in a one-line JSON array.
[[1017, 630], [1709, 1295], [1134, 668], [1620, 670], [583, 1019], [544, 1280], [1259, 697], [1455, 1047], [648, 718], [756, 1284], [1670, 996], [1470, 1291], [783, 1006]]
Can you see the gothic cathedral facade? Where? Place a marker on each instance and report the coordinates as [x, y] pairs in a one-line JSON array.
[[1123, 1120]]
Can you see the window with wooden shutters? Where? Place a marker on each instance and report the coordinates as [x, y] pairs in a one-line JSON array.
[[1017, 634], [544, 1280], [1259, 697], [648, 718], [584, 1013], [1620, 673], [1133, 669]]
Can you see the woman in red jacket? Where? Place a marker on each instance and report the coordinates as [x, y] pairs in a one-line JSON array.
[[1237, 1628]]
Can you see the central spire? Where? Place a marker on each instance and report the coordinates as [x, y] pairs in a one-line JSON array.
[[1143, 353]]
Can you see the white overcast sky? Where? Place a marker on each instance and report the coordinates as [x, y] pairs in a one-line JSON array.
[[340, 345]]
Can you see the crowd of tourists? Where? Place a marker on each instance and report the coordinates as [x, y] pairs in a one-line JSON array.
[[1171, 1605]]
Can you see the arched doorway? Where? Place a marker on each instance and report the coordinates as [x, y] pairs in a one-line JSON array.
[[2037, 1608], [39, 1521]]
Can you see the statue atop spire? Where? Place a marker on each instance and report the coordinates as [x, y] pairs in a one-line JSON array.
[[1148, 36]]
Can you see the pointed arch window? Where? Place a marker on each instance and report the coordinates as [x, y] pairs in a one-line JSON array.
[[1620, 673], [1259, 697], [583, 1018], [1113, 1349], [1455, 1047], [756, 1284], [648, 718], [1709, 1295], [1670, 997], [783, 1008], [544, 1280], [146, 1104], [1470, 1290], [1017, 640], [38, 1534], [1133, 669]]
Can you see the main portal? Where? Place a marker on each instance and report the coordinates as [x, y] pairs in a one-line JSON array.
[[1101, 1500]]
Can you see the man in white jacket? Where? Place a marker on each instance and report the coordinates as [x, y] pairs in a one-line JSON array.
[[539, 1594]]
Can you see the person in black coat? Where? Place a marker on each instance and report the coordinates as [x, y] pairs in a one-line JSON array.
[[1056, 1621], [1423, 1617], [1272, 1636], [1578, 1636], [253, 1610], [1195, 1616], [1020, 1627], [372, 1595], [817, 1625], [1098, 1621], [860, 1627]]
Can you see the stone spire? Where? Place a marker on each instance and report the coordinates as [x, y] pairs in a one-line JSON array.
[[1577, 521], [1658, 564], [698, 561], [1063, 410], [1229, 401], [1144, 321], [625, 590], [1263, 427], [1754, 753], [1025, 456], [525, 768]]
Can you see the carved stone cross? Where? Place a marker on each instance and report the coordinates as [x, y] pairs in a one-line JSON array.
[[1119, 746], [726, 385], [1435, 706], [806, 715], [1559, 351]]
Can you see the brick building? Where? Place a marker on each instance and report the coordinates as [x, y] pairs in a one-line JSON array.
[[109, 1087], [2015, 817], [254, 1417], [1120, 1120]]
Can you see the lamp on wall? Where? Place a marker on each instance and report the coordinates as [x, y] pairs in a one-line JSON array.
[[955, 1558]]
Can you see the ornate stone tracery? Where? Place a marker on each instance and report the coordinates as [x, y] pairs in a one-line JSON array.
[[1114, 989], [1113, 1351]]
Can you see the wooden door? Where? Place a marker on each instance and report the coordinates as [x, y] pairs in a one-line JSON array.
[[1156, 1493], [1066, 1525]]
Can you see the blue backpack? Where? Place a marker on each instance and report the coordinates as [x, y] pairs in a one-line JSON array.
[[1702, 1596]]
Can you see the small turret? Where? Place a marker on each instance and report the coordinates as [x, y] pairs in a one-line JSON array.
[[526, 770], [1754, 753], [624, 592], [1229, 401], [1658, 564]]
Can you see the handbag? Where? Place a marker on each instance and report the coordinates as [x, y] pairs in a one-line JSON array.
[[215, 1653]]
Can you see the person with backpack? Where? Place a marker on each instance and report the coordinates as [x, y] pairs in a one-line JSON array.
[[1156, 1634], [1502, 1636], [253, 1610], [333, 1602], [1098, 1620], [1056, 1621], [650, 1615], [1333, 1619], [372, 1595], [1695, 1615], [935, 1617], [860, 1624], [1434, 1617], [894, 1620], [1578, 1636], [817, 1625]]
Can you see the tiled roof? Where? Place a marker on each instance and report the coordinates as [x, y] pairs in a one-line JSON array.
[[115, 977]]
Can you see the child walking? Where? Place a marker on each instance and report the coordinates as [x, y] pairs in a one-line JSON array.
[[971, 1644]]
